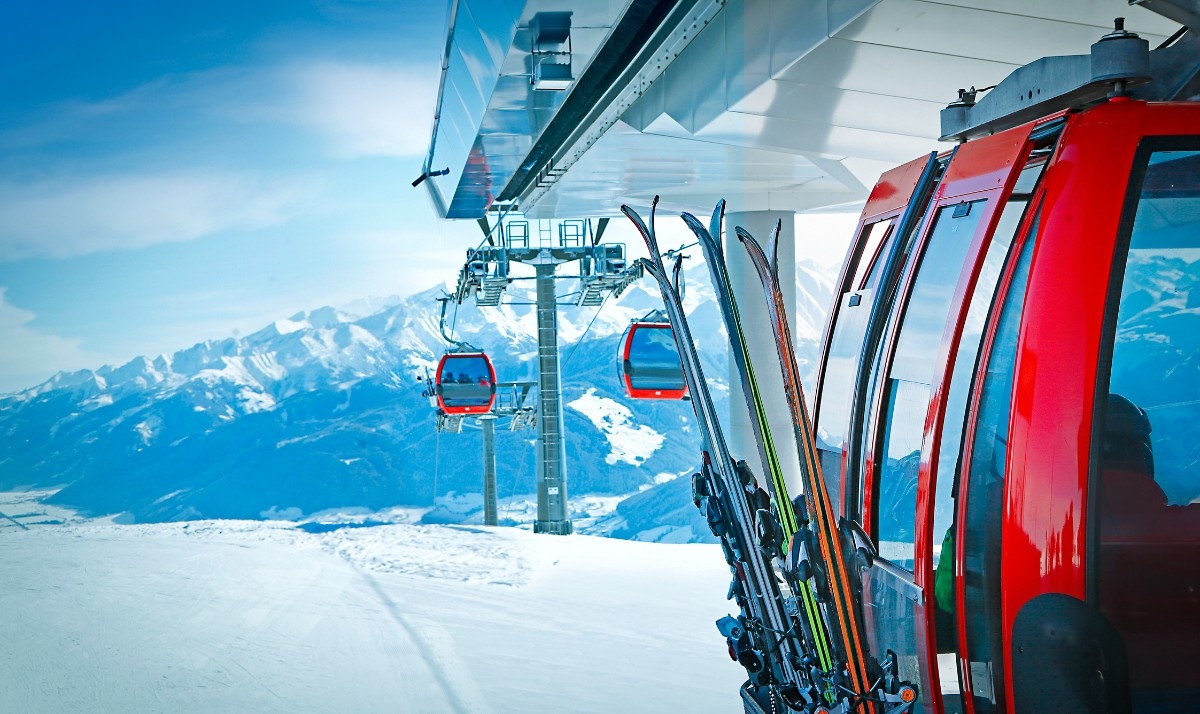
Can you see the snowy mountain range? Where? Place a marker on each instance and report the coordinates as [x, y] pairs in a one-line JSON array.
[[323, 410]]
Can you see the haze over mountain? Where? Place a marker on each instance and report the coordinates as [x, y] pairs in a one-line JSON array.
[[323, 410]]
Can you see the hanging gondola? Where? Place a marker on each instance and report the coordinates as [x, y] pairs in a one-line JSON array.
[[650, 366], [466, 383]]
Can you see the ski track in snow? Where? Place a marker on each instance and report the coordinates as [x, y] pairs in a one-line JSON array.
[[254, 616]]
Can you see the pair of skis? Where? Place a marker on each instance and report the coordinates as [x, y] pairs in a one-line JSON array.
[[799, 636], [762, 638]]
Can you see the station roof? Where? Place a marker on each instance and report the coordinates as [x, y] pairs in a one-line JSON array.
[[771, 104]]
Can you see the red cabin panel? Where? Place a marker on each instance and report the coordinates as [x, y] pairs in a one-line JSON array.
[[892, 191], [1049, 449]]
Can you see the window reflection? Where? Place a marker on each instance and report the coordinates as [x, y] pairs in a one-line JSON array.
[[908, 385], [1149, 481]]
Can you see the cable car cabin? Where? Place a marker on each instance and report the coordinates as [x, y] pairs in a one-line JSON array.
[[466, 383], [1008, 406], [650, 367]]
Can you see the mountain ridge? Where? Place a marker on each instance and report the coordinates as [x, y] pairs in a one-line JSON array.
[[322, 410]]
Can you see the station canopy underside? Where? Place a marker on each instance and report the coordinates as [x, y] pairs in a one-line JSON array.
[[771, 104]]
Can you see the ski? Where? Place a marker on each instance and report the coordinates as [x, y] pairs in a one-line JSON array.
[[820, 656], [762, 638], [893, 695], [709, 239]]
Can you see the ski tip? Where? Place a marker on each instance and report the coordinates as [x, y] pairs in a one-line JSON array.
[[718, 217], [694, 223], [775, 249], [718, 214]]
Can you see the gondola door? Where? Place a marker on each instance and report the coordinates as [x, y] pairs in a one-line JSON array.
[[899, 398]]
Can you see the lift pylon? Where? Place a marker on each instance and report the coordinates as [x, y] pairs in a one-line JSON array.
[[603, 271]]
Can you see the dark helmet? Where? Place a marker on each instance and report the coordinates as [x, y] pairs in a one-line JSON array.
[[1127, 436]]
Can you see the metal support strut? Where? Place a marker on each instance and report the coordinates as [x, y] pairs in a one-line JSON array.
[[488, 423], [552, 477]]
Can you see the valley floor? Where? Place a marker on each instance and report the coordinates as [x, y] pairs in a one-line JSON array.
[[239, 616]]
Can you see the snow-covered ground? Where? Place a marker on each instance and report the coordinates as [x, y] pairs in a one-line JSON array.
[[262, 616], [630, 441]]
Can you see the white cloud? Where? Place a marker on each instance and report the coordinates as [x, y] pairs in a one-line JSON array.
[[364, 109], [28, 357], [352, 109], [68, 217], [357, 108]]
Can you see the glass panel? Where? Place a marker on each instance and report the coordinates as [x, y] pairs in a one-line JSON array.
[[945, 486], [925, 315], [985, 497], [909, 381], [892, 612], [1029, 176], [960, 381], [654, 359], [945, 477], [871, 255], [1149, 481], [897, 495], [837, 389]]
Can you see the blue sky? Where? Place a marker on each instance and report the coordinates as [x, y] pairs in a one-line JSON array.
[[174, 172]]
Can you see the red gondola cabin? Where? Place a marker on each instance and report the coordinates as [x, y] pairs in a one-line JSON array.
[[466, 383], [650, 367], [1007, 405]]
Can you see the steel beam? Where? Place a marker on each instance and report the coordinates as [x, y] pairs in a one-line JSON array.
[[552, 477], [489, 470]]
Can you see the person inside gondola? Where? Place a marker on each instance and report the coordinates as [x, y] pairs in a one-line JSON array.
[[1142, 532]]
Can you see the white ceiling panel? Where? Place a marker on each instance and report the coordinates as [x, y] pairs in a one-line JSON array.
[[771, 104]]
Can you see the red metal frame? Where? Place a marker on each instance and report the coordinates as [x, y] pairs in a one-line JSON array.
[[481, 409]]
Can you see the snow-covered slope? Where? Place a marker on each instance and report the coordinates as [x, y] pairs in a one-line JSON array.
[[323, 410], [228, 616]]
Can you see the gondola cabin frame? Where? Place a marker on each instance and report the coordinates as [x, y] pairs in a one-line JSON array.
[[638, 339], [459, 383], [983, 417]]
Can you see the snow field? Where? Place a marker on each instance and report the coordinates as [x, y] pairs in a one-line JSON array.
[[240, 616]]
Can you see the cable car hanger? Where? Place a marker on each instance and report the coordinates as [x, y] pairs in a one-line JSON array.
[[459, 345]]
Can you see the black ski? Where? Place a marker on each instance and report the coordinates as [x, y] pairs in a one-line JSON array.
[[823, 667], [761, 637], [894, 696]]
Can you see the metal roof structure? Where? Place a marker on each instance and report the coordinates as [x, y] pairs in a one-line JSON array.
[[772, 104]]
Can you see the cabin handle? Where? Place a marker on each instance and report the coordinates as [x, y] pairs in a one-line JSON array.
[[863, 545]]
